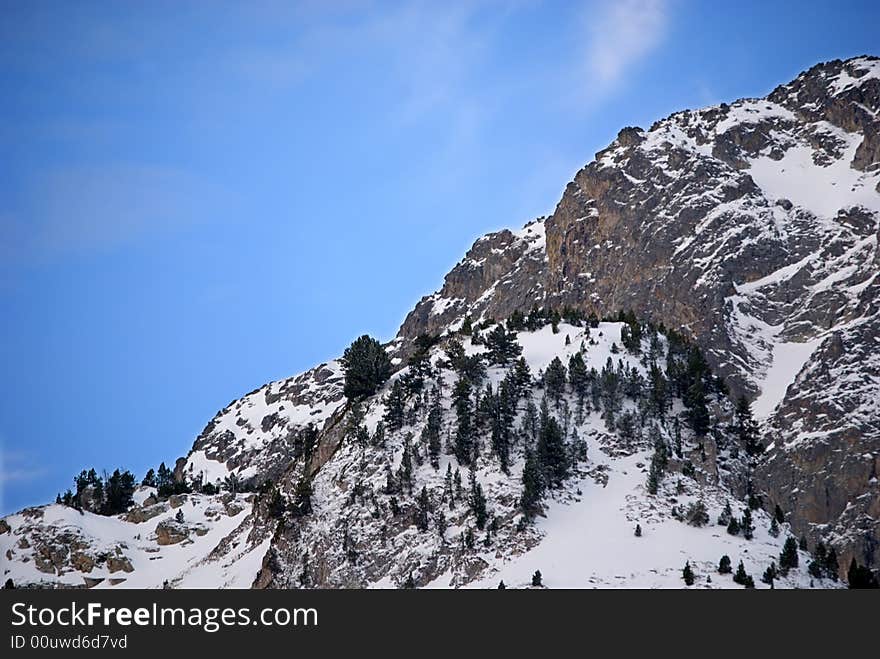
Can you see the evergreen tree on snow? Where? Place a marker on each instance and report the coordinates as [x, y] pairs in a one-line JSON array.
[[554, 380], [431, 433], [746, 428], [688, 574], [464, 434], [395, 407], [770, 575], [788, 559], [501, 346], [423, 510], [551, 449], [366, 366], [533, 485], [477, 501], [743, 578], [746, 525]]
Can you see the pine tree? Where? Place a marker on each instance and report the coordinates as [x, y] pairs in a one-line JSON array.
[[149, 479], [440, 522], [770, 575], [726, 515], [537, 579], [742, 578], [554, 380], [578, 378], [552, 455], [477, 501], [638, 530], [697, 515], [118, 493], [774, 528], [164, 480], [367, 367], [631, 335], [423, 510], [405, 471], [746, 525], [395, 407], [831, 564], [778, 515], [501, 586], [697, 412], [724, 565], [521, 377], [431, 433], [464, 435], [533, 488], [788, 559], [860, 577], [687, 574], [658, 393], [733, 526], [179, 517], [659, 461], [501, 346], [746, 428]]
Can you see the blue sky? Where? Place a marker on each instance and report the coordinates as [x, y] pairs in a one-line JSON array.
[[198, 198]]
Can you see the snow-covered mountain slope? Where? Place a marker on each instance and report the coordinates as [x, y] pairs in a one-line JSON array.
[[361, 531], [751, 228], [254, 436], [58, 546]]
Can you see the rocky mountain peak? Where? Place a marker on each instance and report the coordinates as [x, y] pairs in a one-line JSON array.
[[748, 228]]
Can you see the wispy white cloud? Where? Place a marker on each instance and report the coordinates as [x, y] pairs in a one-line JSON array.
[[621, 33]]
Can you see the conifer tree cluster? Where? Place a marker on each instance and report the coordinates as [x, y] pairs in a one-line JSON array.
[[825, 564], [860, 577], [743, 578], [494, 411], [107, 495]]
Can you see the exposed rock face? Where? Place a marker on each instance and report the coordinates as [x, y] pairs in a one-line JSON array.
[[749, 226], [169, 532], [119, 564], [141, 514]]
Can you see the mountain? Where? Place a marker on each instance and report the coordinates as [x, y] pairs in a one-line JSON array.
[[729, 252]]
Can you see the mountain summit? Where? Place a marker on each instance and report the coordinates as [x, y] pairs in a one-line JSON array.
[[692, 337]]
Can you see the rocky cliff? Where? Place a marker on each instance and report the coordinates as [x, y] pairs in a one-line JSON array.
[[752, 227]]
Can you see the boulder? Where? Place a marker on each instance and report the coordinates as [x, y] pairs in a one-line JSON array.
[[170, 532]]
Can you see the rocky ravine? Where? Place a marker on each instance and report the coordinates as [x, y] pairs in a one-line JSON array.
[[751, 227]]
